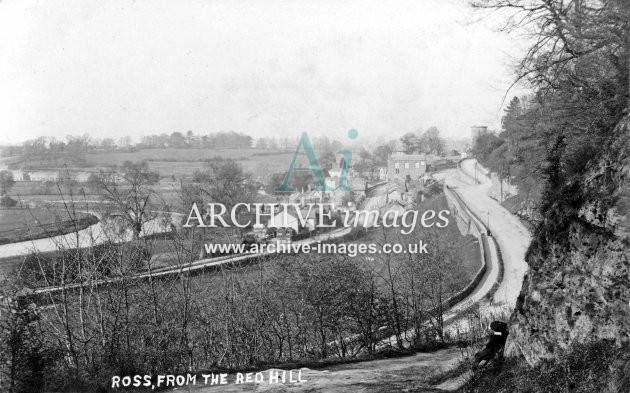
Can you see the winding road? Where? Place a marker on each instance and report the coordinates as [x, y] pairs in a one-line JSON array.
[[414, 372], [507, 230], [508, 234]]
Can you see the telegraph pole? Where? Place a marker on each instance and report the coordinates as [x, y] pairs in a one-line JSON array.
[[488, 232], [501, 194], [476, 170]]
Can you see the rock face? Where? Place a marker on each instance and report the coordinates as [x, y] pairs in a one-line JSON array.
[[578, 286]]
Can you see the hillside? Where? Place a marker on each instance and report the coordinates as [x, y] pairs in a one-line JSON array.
[[579, 283], [570, 330]]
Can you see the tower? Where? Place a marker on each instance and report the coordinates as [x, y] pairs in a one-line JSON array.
[[476, 132]]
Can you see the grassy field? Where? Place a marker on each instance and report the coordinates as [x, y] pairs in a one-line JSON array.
[[117, 157], [49, 190], [26, 224], [183, 162]]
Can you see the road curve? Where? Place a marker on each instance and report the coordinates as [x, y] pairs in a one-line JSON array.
[[508, 234], [507, 230], [511, 235], [410, 372]]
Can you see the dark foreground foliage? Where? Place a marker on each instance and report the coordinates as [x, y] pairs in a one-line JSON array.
[[598, 366]]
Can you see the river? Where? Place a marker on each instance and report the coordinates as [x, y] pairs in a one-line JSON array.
[[98, 233]]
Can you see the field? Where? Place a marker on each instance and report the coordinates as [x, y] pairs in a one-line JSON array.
[[183, 162], [172, 164], [170, 154], [25, 224]]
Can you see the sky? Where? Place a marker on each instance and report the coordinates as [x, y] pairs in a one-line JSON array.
[[263, 67]]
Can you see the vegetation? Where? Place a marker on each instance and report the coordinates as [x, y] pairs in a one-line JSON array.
[[423, 142], [289, 308], [585, 367], [19, 224], [178, 140], [127, 193], [6, 182], [6, 202], [578, 68], [223, 181], [51, 153]]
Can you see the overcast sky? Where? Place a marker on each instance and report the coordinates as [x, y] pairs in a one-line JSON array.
[[262, 67]]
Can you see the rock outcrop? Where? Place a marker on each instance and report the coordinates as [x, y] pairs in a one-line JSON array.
[[578, 285]]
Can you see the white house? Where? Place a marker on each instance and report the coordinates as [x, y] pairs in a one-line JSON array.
[[332, 182], [82, 177], [288, 219], [334, 172], [382, 172], [18, 175], [44, 176], [394, 195], [308, 197]]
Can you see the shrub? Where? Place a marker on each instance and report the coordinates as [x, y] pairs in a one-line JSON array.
[[7, 201], [589, 367]]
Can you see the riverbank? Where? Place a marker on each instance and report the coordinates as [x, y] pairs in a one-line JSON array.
[[20, 225]]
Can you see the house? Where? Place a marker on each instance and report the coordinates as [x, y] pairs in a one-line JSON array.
[[266, 200], [44, 176], [286, 223], [307, 197], [393, 209], [401, 165], [394, 194], [382, 173], [82, 176], [18, 175], [332, 182], [256, 229], [334, 172]]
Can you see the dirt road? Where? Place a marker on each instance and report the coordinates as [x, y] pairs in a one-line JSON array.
[[412, 373]]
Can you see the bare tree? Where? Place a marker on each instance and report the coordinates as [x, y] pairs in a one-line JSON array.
[[129, 193], [572, 40]]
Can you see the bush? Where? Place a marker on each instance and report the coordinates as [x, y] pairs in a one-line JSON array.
[[591, 367], [27, 359], [7, 201]]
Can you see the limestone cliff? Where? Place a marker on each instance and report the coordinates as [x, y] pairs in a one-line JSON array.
[[578, 285]]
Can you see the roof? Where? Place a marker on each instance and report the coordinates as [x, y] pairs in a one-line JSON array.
[[284, 219], [395, 187], [264, 198], [393, 205], [246, 216], [408, 157], [44, 173], [306, 213]]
